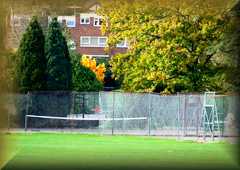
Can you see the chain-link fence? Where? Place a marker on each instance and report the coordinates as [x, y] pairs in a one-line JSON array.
[[122, 113]]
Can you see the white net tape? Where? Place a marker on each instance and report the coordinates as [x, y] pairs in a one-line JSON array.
[[86, 118]]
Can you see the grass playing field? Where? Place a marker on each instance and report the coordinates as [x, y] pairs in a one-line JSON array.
[[75, 151]]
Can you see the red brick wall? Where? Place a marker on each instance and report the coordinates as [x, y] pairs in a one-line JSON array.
[[89, 30]]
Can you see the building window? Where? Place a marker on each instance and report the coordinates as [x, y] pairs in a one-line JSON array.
[[122, 44], [84, 41], [84, 20], [93, 41], [70, 23], [97, 22], [102, 41]]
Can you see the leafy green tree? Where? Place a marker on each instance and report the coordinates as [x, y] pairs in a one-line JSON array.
[[59, 71], [83, 79], [31, 63], [230, 48], [169, 50]]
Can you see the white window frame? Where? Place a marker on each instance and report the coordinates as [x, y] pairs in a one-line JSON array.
[[81, 40], [60, 19], [67, 18], [96, 40], [71, 26], [98, 19], [89, 41], [101, 44], [85, 17]]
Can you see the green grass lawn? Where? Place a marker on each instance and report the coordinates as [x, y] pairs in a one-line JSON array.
[[75, 151]]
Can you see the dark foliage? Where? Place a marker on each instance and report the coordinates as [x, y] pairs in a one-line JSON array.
[[59, 74], [31, 62]]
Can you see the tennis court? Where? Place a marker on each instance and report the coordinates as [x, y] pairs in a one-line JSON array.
[[176, 115], [42, 151], [112, 130]]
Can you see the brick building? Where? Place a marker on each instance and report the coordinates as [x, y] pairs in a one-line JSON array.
[[86, 36], [82, 22]]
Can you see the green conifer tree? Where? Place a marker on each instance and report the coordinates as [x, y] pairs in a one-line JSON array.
[[31, 59], [59, 73]]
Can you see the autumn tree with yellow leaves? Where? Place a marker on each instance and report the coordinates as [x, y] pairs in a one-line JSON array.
[[171, 49], [99, 69]]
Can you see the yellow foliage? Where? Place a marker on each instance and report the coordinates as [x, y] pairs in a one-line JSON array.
[[99, 69]]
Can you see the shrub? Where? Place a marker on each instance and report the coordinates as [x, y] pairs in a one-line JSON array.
[[83, 78], [98, 69]]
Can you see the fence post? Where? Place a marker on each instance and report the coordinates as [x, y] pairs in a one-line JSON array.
[[197, 126], [224, 112], [149, 114], [83, 105], [8, 121], [8, 118], [184, 116], [113, 102], [27, 111], [198, 116], [72, 111], [178, 118], [203, 117], [25, 123]]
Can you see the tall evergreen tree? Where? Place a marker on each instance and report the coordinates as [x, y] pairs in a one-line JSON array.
[[59, 73], [31, 59]]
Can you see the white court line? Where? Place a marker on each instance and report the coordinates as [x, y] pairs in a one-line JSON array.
[[3, 163]]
